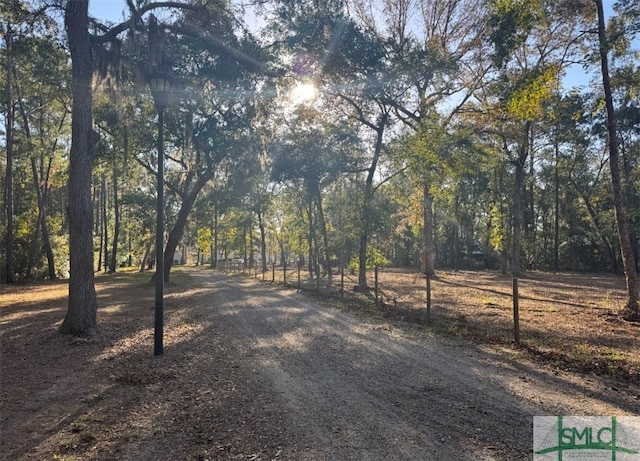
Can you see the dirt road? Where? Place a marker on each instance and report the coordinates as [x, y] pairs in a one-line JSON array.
[[359, 390], [253, 371]]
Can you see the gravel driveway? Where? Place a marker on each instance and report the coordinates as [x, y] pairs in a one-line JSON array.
[[364, 390]]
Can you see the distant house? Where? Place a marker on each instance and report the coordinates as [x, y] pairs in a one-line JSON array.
[[185, 255]]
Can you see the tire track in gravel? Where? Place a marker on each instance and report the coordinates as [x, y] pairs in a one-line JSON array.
[[362, 391]]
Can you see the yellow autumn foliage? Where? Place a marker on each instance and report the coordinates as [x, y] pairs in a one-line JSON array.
[[527, 102]]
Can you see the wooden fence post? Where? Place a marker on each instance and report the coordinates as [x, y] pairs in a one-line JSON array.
[[516, 312], [273, 272], [299, 275]]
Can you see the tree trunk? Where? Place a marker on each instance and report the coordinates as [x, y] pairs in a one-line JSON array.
[[316, 253], [531, 233], [105, 224], [96, 206], [632, 308], [51, 264], [175, 235], [428, 232], [9, 173], [283, 252], [41, 185], [33, 247], [325, 238], [362, 252], [214, 257], [556, 209], [145, 258], [43, 198], [263, 243], [454, 246], [516, 248], [518, 193], [116, 227], [632, 196], [310, 238], [116, 205], [609, 246], [366, 206], [80, 318], [100, 225], [629, 181], [244, 244]]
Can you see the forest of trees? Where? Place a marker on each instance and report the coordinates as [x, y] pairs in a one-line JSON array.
[[464, 134]]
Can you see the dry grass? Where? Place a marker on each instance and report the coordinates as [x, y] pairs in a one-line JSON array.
[[567, 320]]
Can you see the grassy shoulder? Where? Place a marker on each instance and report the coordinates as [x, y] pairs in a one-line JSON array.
[[571, 322]]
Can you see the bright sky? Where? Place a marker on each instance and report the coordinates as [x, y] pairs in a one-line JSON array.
[[112, 10], [107, 10]]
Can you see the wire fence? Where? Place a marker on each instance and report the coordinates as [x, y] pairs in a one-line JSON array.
[[480, 291], [565, 316]]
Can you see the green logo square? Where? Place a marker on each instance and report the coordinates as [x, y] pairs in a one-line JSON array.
[[582, 438]]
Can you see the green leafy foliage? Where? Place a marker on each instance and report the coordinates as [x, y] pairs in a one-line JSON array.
[[510, 22], [456, 123], [375, 258]]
